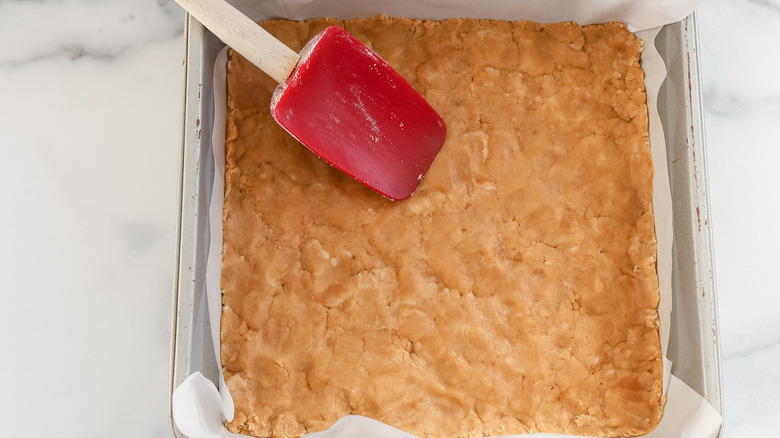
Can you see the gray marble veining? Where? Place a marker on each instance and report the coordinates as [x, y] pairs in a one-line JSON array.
[[73, 29]]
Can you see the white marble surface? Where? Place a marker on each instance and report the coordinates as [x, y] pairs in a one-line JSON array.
[[90, 95], [739, 70]]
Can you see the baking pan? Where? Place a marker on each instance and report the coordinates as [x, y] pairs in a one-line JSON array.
[[693, 344]]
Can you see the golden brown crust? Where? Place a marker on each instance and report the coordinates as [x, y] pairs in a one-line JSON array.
[[514, 292]]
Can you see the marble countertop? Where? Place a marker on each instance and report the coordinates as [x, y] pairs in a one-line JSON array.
[[90, 104]]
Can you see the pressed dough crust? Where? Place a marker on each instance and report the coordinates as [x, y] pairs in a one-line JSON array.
[[515, 291]]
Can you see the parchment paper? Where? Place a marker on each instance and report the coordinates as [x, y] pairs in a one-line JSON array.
[[200, 410]]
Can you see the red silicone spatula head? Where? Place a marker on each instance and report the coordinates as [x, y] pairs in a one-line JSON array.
[[351, 108]]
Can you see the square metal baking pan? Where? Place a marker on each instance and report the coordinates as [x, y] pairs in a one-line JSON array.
[[694, 342]]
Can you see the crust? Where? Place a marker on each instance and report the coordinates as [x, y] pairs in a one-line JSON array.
[[515, 291]]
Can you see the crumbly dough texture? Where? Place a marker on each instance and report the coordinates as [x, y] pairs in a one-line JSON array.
[[515, 291]]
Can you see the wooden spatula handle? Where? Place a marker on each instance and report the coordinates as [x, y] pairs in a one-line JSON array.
[[244, 35]]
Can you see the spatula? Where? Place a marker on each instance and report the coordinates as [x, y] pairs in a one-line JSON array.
[[340, 99]]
